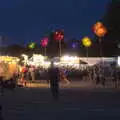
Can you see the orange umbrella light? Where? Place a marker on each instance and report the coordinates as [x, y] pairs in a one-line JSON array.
[[86, 41], [101, 32], [97, 26], [99, 29]]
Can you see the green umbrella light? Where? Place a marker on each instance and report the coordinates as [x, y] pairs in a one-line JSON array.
[[32, 45]]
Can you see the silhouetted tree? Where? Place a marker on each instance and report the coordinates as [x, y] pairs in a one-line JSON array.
[[112, 21], [15, 50]]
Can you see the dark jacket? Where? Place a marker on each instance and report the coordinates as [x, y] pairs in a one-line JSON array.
[[54, 75]]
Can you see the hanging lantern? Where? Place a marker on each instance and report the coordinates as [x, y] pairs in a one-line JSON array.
[[44, 42], [99, 29], [86, 42]]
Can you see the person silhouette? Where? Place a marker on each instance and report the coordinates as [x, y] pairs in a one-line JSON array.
[[54, 80], [1, 113]]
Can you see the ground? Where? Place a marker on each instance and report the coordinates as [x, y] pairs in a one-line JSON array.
[[75, 103]]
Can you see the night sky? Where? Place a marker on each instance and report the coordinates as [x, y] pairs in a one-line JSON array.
[[22, 21]]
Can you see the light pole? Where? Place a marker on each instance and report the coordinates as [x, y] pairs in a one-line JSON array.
[[44, 44], [45, 51], [100, 45], [100, 30], [86, 41], [59, 36], [60, 49]]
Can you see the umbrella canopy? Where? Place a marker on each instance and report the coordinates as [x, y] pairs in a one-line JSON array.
[[83, 62]]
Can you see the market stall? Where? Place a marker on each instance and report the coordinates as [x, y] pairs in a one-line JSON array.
[[8, 66]]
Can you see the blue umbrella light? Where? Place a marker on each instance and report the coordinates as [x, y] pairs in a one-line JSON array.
[[74, 45]]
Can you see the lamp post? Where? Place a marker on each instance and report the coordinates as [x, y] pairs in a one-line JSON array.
[[59, 36], [100, 30], [32, 46], [86, 41], [45, 50], [44, 44], [60, 48]]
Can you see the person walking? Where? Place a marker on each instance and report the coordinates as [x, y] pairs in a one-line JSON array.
[[115, 77], [32, 73], [54, 81], [64, 78], [1, 86], [1, 113]]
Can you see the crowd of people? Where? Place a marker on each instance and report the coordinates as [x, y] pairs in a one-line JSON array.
[[98, 74], [31, 74]]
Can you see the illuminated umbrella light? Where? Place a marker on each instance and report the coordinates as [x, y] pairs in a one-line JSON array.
[[74, 45], [99, 29], [32, 45], [97, 26], [44, 42], [58, 35], [101, 32], [86, 42]]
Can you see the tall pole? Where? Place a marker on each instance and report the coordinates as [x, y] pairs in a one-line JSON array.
[[100, 45], [60, 50], [87, 53], [45, 50], [42, 50], [3, 45], [101, 54]]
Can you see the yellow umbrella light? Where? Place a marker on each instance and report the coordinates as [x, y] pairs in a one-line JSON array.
[[86, 42]]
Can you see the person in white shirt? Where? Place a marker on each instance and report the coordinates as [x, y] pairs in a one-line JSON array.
[[32, 73]]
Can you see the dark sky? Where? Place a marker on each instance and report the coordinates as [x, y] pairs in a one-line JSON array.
[[22, 21]]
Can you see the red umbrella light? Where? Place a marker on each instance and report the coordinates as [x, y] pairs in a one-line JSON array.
[[59, 35], [44, 42]]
